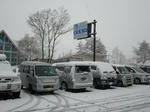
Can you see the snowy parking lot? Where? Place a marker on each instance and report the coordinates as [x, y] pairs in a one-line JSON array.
[[117, 99]]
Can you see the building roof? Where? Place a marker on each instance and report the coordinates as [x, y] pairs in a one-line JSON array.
[[2, 31]]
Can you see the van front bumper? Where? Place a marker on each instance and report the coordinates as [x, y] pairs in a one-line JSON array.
[[82, 85], [47, 87], [109, 82], [10, 87]]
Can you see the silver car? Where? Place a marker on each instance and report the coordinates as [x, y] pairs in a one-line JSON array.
[[139, 75]]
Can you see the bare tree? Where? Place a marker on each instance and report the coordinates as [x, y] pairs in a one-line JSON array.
[[29, 46], [57, 26], [50, 25], [38, 22], [142, 52]]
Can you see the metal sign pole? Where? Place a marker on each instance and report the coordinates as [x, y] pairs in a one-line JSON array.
[[94, 41]]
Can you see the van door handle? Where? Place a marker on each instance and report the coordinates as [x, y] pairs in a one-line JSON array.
[[27, 76]]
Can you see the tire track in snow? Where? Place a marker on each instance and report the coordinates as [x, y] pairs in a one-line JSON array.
[[27, 102], [129, 107], [33, 105], [84, 104]]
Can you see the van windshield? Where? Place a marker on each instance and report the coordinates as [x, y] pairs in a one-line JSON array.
[[138, 69], [81, 69], [45, 71], [123, 70]]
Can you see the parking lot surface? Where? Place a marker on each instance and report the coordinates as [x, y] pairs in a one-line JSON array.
[[135, 98]]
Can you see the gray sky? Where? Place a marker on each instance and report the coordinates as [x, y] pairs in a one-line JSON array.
[[122, 23]]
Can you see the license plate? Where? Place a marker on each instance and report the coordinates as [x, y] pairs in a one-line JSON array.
[[129, 83], [48, 89]]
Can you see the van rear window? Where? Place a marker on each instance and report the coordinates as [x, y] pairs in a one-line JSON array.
[[81, 69]]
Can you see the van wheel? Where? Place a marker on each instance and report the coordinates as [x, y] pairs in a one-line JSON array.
[[21, 86], [107, 86], [16, 94], [95, 84], [137, 81], [64, 86], [31, 89], [120, 84]]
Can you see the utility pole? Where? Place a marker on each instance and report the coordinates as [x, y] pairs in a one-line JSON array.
[[94, 40]]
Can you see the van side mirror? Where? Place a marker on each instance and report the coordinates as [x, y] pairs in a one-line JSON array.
[[117, 72], [14, 70]]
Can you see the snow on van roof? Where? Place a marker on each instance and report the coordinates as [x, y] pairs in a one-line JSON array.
[[2, 57], [72, 63], [34, 63], [118, 65]]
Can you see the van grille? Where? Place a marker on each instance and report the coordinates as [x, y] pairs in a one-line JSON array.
[[128, 78], [48, 86]]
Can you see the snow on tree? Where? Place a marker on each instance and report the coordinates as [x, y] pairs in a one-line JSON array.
[[118, 57], [88, 46], [142, 52], [29, 46]]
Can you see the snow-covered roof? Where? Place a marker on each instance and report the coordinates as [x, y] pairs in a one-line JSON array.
[[72, 63], [34, 63], [118, 65]]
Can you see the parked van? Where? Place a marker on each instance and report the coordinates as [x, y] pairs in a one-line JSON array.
[[38, 76], [139, 75], [103, 74], [74, 75], [9, 81], [124, 78]]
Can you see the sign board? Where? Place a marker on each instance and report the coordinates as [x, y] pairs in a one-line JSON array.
[[80, 30]]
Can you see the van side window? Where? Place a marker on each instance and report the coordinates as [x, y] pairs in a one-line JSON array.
[[60, 68], [81, 69], [68, 69], [26, 69], [93, 67]]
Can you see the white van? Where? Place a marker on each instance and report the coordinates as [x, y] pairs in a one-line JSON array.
[[38, 76], [9, 81], [103, 74], [74, 75]]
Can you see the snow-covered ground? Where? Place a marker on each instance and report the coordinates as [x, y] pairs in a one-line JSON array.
[[118, 99]]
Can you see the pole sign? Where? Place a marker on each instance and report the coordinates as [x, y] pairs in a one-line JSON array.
[[80, 30]]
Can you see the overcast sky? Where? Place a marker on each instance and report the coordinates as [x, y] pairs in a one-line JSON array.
[[121, 23]]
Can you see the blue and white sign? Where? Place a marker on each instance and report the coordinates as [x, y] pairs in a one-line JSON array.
[[80, 30]]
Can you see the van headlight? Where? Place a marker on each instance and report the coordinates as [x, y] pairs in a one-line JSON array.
[[115, 76], [16, 79], [103, 77], [124, 77]]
